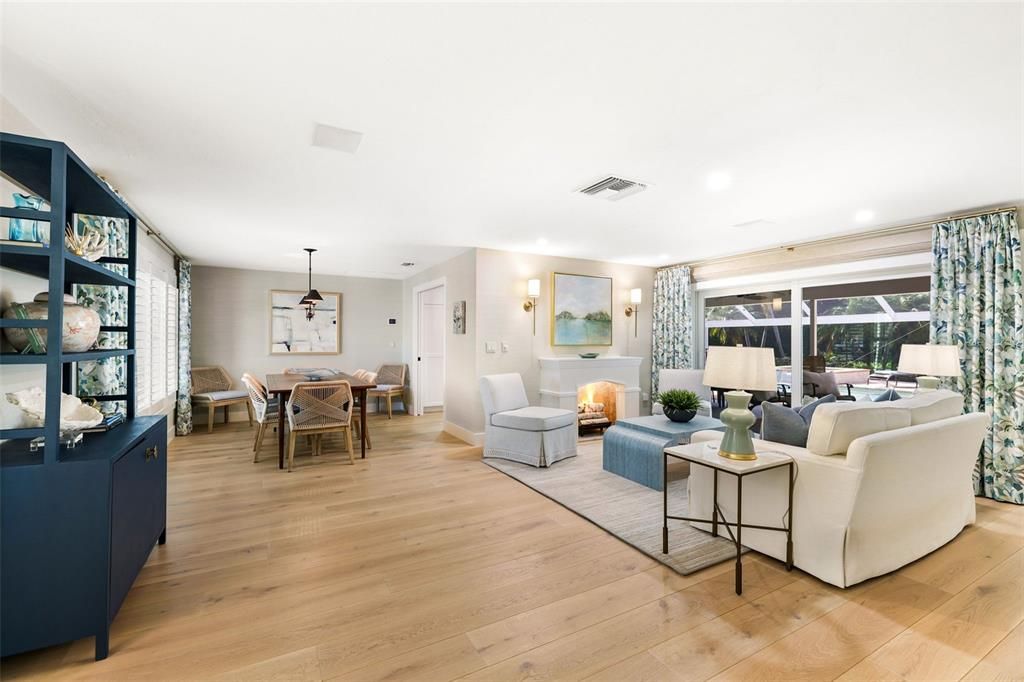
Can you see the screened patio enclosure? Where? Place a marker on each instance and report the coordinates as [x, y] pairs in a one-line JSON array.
[[858, 328]]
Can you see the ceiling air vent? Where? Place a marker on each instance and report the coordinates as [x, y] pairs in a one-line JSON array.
[[613, 189]]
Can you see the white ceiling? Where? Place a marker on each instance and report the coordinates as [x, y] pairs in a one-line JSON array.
[[480, 120]]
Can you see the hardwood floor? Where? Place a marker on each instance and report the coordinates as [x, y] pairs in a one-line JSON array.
[[421, 563]]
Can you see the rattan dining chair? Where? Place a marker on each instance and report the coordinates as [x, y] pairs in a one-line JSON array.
[[212, 388], [264, 408], [316, 408], [390, 381]]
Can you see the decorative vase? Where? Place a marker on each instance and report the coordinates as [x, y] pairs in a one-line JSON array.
[[678, 415], [81, 325]]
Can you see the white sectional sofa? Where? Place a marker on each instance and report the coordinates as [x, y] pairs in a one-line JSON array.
[[878, 486]]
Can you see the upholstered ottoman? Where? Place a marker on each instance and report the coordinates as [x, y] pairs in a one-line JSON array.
[[633, 447]]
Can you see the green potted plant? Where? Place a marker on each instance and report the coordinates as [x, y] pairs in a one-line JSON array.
[[679, 405]]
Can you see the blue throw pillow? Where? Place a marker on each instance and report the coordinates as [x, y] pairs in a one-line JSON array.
[[781, 424], [888, 395]]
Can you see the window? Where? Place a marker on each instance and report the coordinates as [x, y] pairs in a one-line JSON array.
[[855, 329], [755, 319], [156, 340]]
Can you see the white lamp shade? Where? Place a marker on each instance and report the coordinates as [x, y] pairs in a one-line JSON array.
[[740, 367], [636, 296], [933, 360], [533, 288]]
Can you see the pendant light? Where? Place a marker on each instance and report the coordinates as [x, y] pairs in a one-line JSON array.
[[312, 296]]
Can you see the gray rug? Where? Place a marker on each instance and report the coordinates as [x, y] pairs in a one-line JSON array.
[[627, 510]]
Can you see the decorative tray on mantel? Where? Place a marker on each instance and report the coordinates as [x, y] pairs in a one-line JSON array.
[[589, 356]]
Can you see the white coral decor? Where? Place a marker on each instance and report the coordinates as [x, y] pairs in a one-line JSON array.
[[74, 414]]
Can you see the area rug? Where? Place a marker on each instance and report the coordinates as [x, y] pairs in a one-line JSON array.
[[627, 510]]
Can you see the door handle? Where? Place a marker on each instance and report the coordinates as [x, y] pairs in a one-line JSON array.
[[152, 452]]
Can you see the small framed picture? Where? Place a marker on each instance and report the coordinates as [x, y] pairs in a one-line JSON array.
[[459, 317]]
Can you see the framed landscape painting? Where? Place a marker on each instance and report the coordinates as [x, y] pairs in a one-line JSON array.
[[581, 310], [292, 334]]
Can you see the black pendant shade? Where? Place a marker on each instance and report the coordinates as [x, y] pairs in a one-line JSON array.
[[312, 296]]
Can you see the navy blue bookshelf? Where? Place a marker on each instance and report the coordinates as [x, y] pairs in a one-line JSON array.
[[76, 524]]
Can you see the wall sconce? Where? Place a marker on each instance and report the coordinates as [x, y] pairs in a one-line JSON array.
[[532, 293], [635, 296]]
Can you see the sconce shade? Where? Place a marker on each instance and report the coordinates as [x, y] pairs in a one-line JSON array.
[[739, 367], [933, 359], [533, 288], [635, 296]]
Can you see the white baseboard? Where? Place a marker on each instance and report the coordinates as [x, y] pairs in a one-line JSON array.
[[462, 434]]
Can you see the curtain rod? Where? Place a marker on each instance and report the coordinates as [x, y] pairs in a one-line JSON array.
[[848, 236], [150, 232]]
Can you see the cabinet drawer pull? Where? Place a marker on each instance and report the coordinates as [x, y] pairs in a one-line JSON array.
[[152, 453]]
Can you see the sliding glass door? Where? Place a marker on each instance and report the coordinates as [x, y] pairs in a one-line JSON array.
[[853, 330]]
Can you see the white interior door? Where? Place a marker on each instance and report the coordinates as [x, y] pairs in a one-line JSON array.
[[431, 322]]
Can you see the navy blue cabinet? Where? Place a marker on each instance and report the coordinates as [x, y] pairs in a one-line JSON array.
[[74, 536], [76, 525]]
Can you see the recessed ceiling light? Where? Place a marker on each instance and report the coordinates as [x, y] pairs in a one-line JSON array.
[[542, 242], [663, 256], [863, 215], [719, 180], [407, 264]]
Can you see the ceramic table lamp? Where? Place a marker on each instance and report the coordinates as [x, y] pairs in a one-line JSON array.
[[931, 360], [738, 368]]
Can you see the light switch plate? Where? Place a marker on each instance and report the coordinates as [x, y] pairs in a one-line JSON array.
[[490, 347], [504, 347]]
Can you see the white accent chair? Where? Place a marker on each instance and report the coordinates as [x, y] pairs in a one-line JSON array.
[[878, 485], [685, 380], [538, 436]]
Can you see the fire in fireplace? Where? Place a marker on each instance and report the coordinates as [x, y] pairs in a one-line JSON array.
[[596, 406]]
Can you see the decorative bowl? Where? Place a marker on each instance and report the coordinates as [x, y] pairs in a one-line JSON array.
[[680, 416], [589, 356]]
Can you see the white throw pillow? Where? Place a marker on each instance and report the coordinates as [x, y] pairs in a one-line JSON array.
[[834, 426]]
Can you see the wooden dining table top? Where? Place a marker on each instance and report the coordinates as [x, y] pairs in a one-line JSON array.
[[283, 383]]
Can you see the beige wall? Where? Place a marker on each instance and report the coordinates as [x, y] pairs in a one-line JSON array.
[[462, 409], [231, 321], [501, 291], [493, 284]]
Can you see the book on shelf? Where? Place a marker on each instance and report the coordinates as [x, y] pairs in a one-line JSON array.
[[109, 422], [19, 242]]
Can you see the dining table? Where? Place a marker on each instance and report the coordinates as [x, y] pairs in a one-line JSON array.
[[280, 385]]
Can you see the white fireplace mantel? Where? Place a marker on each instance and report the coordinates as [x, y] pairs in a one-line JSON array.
[[562, 377]]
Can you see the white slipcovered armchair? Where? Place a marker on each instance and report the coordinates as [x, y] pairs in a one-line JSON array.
[[686, 380], [539, 436]]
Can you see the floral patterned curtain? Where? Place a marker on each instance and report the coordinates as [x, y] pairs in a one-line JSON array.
[[977, 303], [183, 413], [672, 335]]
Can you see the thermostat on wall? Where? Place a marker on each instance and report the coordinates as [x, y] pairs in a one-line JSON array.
[[392, 321]]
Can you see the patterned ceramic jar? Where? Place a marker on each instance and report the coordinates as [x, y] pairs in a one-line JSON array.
[[81, 325]]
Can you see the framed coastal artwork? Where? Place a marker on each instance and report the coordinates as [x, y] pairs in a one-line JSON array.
[[581, 310], [292, 334]]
